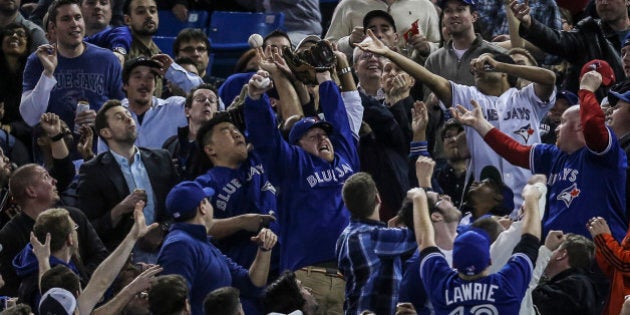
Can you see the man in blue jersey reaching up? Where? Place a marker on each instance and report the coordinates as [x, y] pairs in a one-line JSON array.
[[469, 288], [309, 171]]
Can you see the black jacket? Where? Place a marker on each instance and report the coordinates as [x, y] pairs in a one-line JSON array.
[[569, 292], [16, 234], [590, 39], [102, 186], [188, 156]]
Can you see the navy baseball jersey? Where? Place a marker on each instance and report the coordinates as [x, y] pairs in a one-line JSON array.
[[583, 185], [498, 293]]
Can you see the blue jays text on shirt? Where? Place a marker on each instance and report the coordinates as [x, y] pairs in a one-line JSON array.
[[233, 185], [571, 192], [94, 82], [521, 113], [329, 175]]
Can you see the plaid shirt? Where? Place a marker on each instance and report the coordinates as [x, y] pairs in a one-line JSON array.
[[368, 255], [493, 16]]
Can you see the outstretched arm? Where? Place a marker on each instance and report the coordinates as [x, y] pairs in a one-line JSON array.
[[501, 143], [440, 86], [422, 222], [107, 271], [591, 115], [544, 80]]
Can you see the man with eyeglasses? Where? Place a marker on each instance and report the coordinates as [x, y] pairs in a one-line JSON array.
[[156, 119], [34, 190], [194, 44], [201, 105]]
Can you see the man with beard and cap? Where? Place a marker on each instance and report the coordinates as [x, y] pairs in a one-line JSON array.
[[156, 119]]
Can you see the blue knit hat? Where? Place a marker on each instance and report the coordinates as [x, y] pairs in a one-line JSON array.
[[471, 252]]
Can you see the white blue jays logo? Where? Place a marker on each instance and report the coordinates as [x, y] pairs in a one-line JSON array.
[[568, 194], [268, 187], [525, 132]]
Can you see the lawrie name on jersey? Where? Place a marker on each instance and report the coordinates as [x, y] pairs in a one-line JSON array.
[[470, 291]]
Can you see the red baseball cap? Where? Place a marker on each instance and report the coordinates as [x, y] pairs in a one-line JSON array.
[[601, 66]]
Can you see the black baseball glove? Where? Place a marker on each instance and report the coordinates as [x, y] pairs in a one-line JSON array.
[[305, 64]]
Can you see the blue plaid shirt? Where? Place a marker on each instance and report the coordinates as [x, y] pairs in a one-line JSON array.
[[493, 16], [368, 254]]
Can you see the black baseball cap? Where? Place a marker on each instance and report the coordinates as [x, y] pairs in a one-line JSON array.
[[136, 62], [378, 13], [471, 3]]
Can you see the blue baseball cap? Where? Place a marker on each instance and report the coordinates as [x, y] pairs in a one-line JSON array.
[[625, 96], [471, 252], [569, 96], [305, 124], [471, 3], [184, 198]]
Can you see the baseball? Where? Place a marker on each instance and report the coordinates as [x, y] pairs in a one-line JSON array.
[[255, 41], [262, 83]]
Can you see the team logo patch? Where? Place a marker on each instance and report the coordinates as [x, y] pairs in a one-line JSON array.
[[268, 187], [568, 194], [525, 132]]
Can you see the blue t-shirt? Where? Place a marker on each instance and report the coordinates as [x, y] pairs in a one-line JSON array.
[[94, 76], [583, 185]]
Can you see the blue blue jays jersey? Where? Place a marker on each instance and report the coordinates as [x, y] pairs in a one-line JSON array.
[[583, 185], [240, 191], [498, 293], [310, 208]]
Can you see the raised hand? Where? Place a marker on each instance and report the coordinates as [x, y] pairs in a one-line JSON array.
[[424, 170], [554, 239], [51, 124], [598, 226], [41, 251], [259, 84], [84, 146], [419, 117], [144, 280], [266, 239], [140, 228], [521, 12], [357, 35], [483, 63], [165, 62], [47, 55], [591, 81], [467, 117], [375, 46]]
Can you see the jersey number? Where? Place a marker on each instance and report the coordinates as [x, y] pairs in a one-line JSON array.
[[484, 309]]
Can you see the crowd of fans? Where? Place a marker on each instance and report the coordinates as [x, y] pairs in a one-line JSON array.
[[455, 157]]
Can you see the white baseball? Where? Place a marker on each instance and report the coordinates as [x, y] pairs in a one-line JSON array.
[[255, 41], [262, 83]]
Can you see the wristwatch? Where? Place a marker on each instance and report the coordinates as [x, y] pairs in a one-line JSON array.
[[120, 50]]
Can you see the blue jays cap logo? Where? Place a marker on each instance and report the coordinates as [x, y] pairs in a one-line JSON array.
[[568, 194]]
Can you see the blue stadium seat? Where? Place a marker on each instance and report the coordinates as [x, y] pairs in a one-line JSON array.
[[231, 30], [170, 25], [165, 43]]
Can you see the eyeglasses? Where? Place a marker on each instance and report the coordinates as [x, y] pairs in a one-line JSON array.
[[203, 99], [18, 32], [191, 49]]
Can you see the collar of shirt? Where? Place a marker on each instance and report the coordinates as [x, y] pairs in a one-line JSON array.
[[380, 95], [368, 221], [121, 160]]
